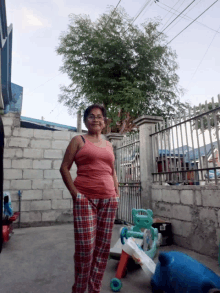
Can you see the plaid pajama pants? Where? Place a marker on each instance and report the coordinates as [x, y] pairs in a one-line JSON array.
[[93, 224]]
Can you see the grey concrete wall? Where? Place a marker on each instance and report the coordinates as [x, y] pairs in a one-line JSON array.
[[194, 212], [32, 159]]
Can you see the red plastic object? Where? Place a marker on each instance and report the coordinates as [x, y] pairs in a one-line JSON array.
[[122, 265], [5, 233], [7, 229], [14, 217]]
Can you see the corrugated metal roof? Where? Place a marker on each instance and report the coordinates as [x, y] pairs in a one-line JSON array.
[[47, 123]]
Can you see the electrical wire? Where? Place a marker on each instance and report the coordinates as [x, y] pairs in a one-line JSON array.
[[142, 9], [184, 16], [44, 83], [113, 13], [203, 56], [192, 22], [176, 17], [169, 12]]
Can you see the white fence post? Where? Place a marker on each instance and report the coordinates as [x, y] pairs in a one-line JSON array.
[[146, 124]]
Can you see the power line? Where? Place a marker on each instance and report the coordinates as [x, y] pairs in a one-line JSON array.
[[203, 56], [142, 9], [169, 12], [176, 17], [44, 83], [192, 22], [113, 12], [184, 16]]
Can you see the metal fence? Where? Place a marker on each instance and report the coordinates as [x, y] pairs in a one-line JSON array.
[[186, 147], [127, 165]]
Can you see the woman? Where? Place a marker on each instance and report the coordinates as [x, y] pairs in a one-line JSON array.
[[95, 195]]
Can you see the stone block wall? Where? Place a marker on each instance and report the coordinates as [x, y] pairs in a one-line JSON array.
[[194, 212], [32, 159]]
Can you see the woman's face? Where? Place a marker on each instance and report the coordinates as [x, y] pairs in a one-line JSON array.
[[95, 121]]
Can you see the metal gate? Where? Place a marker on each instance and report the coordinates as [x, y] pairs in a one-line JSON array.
[[127, 161]]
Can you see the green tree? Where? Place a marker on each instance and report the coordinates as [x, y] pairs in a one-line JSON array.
[[115, 63]]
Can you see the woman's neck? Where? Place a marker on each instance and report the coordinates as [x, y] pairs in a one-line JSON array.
[[95, 136]]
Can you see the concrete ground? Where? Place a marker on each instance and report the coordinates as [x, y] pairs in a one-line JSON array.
[[40, 260]]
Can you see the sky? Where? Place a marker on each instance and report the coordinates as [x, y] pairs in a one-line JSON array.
[[38, 24]]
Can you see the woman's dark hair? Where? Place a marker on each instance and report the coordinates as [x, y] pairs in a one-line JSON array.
[[88, 110]]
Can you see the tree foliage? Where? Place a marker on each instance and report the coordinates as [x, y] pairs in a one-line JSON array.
[[115, 63]]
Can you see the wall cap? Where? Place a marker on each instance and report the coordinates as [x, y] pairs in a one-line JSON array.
[[147, 119], [115, 136]]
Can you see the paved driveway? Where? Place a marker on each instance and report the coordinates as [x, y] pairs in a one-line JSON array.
[[40, 260]]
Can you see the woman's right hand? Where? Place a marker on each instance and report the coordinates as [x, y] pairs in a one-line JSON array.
[[74, 195]]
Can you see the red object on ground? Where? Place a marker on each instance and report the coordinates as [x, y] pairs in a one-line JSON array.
[[7, 229]]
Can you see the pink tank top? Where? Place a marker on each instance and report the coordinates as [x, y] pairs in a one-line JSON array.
[[94, 171]]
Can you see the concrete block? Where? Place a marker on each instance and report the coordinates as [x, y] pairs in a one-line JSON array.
[[53, 154], [49, 216], [47, 134], [52, 194], [41, 144], [32, 174], [6, 163], [181, 213], [198, 197], [12, 153], [23, 132], [41, 184], [40, 205], [58, 183], [33, 153], [186, 197], [18, 142], [20, 184], [60, 204], [6, 184], [208, 217], [7, 130], [22, 164], [42, 164], [219, 218], [170, 196], [65, 216], [52, 174], [65, 135], [56, 164], [162, 209], [12, 174], [211, 198], [25, 205], [181, 228], [7, 121], [29, 217], [66, 194], [156, 195], [60, 144], [72, 134], [32, 194]]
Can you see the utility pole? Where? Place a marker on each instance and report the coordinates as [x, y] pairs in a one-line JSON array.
[[79, 124]]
